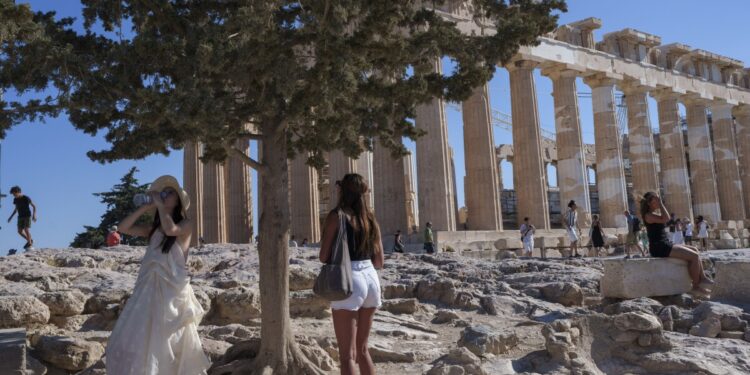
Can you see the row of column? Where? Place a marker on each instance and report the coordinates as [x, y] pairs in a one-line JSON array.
[[220, 196], [715, 187]]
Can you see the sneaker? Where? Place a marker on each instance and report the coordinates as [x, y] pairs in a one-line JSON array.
[[700, 292], [27, 245], [627, 256]]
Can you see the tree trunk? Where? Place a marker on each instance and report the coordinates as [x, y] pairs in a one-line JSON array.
[[278, 352]]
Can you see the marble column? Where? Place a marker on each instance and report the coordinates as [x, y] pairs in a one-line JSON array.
[[728, 183], [390, 192], [742, 115], [434, 177], [304, 200], [214, 214], [641, 142], [702, 176], [571, 160], [610, 175], [481, 183], [338, 165], [412, 208], [528, 163], [192, 179], [363, 166], [238, 197], [674, 172]]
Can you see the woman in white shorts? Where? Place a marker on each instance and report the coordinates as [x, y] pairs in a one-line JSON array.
[[352, 317]]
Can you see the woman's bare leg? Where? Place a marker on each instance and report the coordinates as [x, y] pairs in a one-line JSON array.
[[695, 267], [364, 323], [345, 326]]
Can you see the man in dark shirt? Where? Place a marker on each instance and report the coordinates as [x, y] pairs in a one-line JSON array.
[[25, 215]]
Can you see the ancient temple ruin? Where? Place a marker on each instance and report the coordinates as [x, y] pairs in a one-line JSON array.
[[701, 165]]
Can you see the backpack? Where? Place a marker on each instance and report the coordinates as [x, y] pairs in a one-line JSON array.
[[636, 224]]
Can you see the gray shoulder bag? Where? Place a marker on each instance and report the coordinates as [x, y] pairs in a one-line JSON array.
[[334, 281]]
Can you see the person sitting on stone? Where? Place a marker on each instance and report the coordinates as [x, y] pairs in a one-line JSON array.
[[656, 216], [398, 244]]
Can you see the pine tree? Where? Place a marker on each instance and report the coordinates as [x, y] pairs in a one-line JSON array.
[[119, 204], [307, 76]]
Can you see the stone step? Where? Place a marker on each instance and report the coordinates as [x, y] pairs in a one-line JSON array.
[[13, 351]]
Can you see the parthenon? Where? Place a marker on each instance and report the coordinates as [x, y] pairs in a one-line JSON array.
[[702, 171]]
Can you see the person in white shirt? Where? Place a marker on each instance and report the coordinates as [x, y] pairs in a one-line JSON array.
[[570, 222], [688, 231], [702, 232], [292, 242], [527, 236]]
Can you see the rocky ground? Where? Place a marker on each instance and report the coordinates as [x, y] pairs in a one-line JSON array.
[[443, 314]]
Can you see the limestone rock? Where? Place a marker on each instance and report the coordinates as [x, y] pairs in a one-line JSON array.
[[445, 316], [22, 311], [729, 316], [566, 294], [645, 277], [239, 305], [707, 328], [736, 335], [481, 339], [392, 291], [643, 304], [401, 306], [68, 353], [99, 301], [214, 349], [301, 278], [637, 321], [64, 303], [307, 304]]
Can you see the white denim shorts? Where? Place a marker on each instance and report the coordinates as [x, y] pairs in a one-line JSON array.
[[365, 288]]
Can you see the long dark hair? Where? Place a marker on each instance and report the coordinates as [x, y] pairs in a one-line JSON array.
[[168, 241], [645, 208], [352, 197]]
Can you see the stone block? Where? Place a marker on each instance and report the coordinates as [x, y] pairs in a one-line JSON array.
[[726, 244], [13, 351], [644, 277], [732, 282], [508, 243]]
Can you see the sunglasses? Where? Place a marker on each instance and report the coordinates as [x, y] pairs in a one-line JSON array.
[[166, 193]]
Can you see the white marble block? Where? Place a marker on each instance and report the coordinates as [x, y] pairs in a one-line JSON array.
[[646, 277]]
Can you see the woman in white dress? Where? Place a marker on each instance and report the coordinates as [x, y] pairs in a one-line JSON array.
[[156, 334]]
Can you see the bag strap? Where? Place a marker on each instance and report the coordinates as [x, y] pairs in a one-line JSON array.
[[340, 248]]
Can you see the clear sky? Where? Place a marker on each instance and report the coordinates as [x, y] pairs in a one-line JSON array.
[[48, 159]]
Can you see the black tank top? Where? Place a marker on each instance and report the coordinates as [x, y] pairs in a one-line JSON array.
[[351, 237], [656, 234]]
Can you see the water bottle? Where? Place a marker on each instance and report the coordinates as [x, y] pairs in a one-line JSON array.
[[141, 199]]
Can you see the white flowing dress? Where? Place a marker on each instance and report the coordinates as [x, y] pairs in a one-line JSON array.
[[156, 333]]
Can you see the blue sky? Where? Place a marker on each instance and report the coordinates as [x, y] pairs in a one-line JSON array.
[[48, 159]]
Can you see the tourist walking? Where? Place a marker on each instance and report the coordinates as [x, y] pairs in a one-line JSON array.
[[113, 237], [352, 317], [679, 234], [570, 222], [632, 240], [157, 331], [429, 245], [398, 244], [596, 235], [23, 206], [527, 237], [702, 225], [688, 226], [672, 225], [661, 247]]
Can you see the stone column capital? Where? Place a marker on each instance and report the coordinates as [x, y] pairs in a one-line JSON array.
[[742, 110], [631, 87], [557, 71], [519, 64], [602, 79], [665, 94], [696, 100]]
